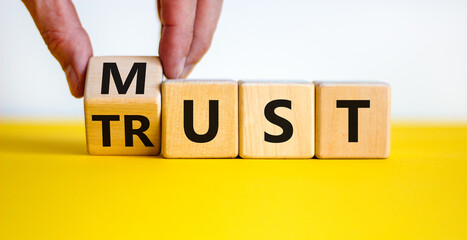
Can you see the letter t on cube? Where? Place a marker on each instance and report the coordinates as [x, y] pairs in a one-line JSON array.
[[352, 119]]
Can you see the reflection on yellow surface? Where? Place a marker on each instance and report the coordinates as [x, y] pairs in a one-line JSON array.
[[51, 189]]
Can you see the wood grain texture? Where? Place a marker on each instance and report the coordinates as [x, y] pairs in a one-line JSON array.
[[147, 105], [253, 98], [175, 143], [332, 123]]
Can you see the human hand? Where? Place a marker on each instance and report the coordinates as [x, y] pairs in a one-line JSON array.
[[187, 30]]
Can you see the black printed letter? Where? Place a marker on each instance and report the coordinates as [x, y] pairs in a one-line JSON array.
[[105, 126], [213, 121], [353, 106], [138, 69], [287, 128], [130, 131]]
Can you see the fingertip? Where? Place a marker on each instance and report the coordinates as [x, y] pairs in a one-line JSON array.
[[187, 70], [76, 86], [180, 67], [79, 91], [169, 73], [173, 69]]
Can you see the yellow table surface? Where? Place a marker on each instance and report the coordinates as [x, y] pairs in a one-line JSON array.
[[50, 188]]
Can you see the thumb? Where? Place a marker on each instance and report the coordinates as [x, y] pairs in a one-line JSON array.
[[66, 39]]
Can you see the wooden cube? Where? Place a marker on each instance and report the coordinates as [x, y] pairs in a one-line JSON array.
[[199, 119], [122, 104], [352, 119], [276, 119]]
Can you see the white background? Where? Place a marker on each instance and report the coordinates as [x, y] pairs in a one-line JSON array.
[[418, 46]]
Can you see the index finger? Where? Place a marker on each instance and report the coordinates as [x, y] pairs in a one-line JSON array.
[[177, 18]]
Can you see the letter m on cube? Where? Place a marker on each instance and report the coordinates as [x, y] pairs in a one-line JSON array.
[[122, 104]]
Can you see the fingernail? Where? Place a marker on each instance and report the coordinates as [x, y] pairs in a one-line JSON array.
[[187, 70], [72, 79], [180, 68]]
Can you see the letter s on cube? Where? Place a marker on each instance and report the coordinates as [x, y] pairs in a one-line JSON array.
[[122, 104], [276, 119]]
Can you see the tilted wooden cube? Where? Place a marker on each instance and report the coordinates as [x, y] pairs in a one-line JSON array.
[[353, 119], [276, 119], [199, 119], [122, 104]]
